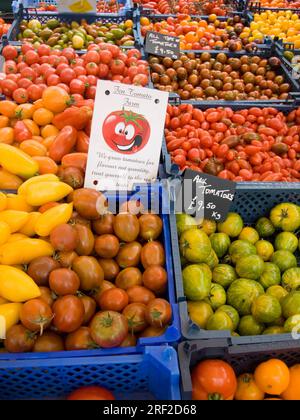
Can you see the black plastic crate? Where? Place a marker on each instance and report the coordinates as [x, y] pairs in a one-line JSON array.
[[243, 359], [252, 200], [171, 169], [256, 7], [266, 52], [23, 14]]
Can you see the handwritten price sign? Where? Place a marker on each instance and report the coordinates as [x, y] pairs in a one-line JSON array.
[[162, 45]]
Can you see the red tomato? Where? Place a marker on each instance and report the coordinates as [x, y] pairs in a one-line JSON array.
[[77, 86], [53, 80], [31, 57], [10, 67], [103, 71], [140, 80], [9, 52], [105, 57], [61, 67], [67, 75], [69, 53], [35, 92], [92, 57], [8, 86], [79, 70], [92, 68], [20, 96], [43, 50]]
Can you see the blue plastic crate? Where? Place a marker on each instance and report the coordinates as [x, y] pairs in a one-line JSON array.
[[243, 358], [43, 17], [151, 374], [35, 4], [156, 198], [252, 200]]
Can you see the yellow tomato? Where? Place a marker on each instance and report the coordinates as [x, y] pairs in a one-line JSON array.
[[24, 251], [16, 237], [29, 228], [4, 232], [17, 162], [51, 191], [14, 218], [9, 316], [53, 217], [3, 201], [36, 179], [17, 202], [17, 286]]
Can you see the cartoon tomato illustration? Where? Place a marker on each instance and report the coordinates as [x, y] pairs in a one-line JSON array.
[[126, 132]]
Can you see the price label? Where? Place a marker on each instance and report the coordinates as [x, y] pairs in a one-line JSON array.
[[77, 6], [207, 196], [162, 45]]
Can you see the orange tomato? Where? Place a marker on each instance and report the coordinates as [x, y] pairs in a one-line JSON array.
[[247, 390], [38, 138], [55, 99], [9, 181], [33, 148], [7, 135], [32, 127], [46, 165], [4, 121], [293, 390], [24, 111], [272, 377], [7, 108], [42, 116], [38, 104], [49, 130], [144, 21]]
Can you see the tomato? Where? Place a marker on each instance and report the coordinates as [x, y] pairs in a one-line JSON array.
[[89, 272], [91, 393], [46, 295], [64, 238], [10, 67], [36, 315], [140, 80], [67, 75], [110, 268], [80, 340], [92, 56], [247, 390], [77, 86], [48, 342], [107, 246], [43, 50], [40, 268], [139, 294], [68, 313], [136, 317], [150, 227], [63, 143], [72, 176], [89, 203], [89, 307], [20, 95], [34, 92], [293, 390], [9, 52], [8, 87], [86, 240], [103, 71], [213, 380], [53, 80], [272, 377], [31, 57], [129, 277], [126, 227], [114, 299], [117, 66], [152, 254], [64, 281], [109, 329], [158, 313], [69, 53], [129, 255], [155, 278], [19, 339]]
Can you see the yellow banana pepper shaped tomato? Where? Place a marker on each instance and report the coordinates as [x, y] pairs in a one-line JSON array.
[[18, 202], [29, 228], [38, 195], [35, 179], [14, 218], [9, 181], [53, 217], [17, 162], [3, 201], [4, 232], [2, 300], [24, 251], [16, 237], [9, 316], [17, 286]]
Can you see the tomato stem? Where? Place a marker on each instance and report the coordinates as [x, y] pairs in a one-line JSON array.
[[215, 397]]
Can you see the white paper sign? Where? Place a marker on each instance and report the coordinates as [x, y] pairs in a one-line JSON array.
[[77, 6], [126, 136]]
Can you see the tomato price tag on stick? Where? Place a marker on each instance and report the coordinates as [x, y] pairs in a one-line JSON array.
[[126, 136], [206, 196], [162, 45], [77, 6]]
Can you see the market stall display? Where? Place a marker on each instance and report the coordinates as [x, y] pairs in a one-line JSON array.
[[103, 287]]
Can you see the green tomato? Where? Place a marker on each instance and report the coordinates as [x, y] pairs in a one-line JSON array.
[[200, 312], [232, 226], [266, 309], [284, 260], [219, 321], [224, 275], [217, 296], [292, 324], [274, 330], [290, 304], [195, 245], [250, 267], [233, 314], [185, 222], [270, 276], [249, 326], [212, 260], [286, 241], [286, 216], [277, 291], [196, 281], [242, 293], [264, 227], [291, 279], [239, 249], [220, 243]]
